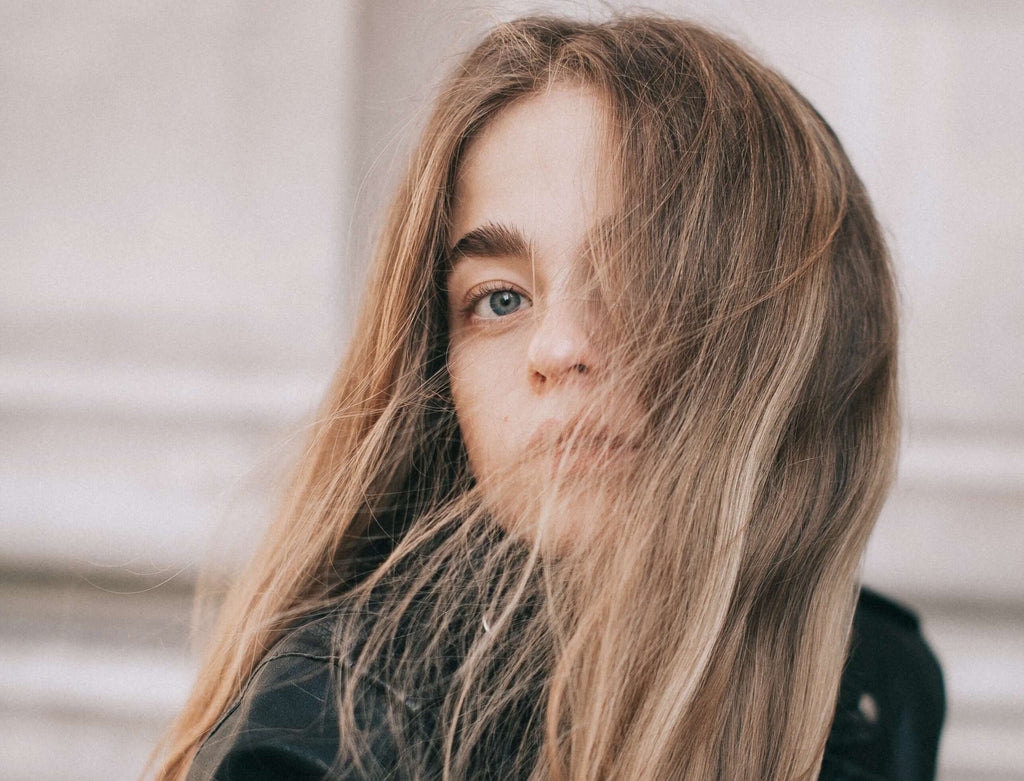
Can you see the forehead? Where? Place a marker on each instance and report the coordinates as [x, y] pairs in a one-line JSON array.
[[542, 163]]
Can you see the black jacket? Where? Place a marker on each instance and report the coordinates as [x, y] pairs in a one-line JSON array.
[[284, 726]]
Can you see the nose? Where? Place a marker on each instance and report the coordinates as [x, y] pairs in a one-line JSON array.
[[561, 347]]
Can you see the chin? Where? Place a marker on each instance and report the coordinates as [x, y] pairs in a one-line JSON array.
[[559, 501], [559, 523]]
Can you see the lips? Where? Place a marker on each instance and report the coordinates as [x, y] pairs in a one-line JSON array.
[[556, 435]]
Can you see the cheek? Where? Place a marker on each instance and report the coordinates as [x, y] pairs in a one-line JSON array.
[[483, 390]]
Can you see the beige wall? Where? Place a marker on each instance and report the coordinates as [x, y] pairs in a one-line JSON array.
[[187, 191], [174, 184]]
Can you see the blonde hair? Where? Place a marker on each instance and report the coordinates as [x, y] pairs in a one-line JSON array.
[[701, 632]]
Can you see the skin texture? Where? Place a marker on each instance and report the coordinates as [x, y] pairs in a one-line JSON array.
[[525, 349]]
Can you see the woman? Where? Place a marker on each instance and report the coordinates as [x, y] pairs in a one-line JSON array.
[[588, 496]]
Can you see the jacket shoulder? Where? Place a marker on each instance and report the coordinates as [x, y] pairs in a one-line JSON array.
[[871, 603], [285, 723], [891, 700]]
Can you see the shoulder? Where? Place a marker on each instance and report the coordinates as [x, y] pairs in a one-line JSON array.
[[889, 649], [891, 701], [285, 723]]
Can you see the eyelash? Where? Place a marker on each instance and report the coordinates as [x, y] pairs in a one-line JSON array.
[[477, 294]]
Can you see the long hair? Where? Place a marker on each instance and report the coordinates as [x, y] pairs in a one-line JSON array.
[[700, 632]]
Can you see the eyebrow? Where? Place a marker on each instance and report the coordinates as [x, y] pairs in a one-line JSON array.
[[491, 240], [496, 239]]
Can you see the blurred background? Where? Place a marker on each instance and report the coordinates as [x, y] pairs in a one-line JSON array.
[[188, 191]]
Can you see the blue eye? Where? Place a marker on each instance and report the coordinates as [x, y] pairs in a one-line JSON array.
[[504, 302], [498, 303]]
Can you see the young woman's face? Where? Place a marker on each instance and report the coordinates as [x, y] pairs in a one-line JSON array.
[[525, 354]]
